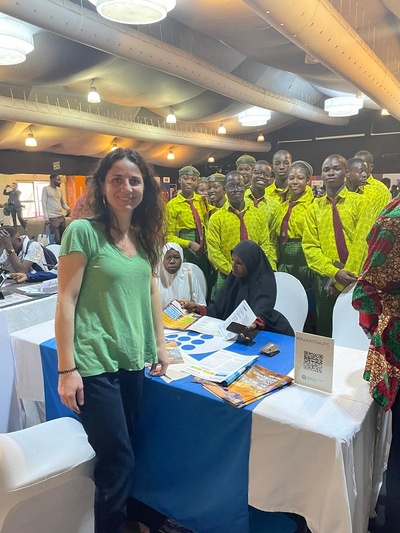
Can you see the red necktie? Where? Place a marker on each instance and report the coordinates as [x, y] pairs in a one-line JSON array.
[[284, 233], [256, 201], [197, 221], [338, 230], [243, 230]]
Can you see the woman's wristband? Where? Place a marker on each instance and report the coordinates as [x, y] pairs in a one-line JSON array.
[[60, 372]]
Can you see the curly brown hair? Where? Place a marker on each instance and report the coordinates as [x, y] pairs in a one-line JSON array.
[[147, 218]]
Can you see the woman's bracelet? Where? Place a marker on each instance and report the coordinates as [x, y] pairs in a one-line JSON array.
[[67, 371]]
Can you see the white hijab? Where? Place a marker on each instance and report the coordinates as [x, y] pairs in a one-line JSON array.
[[177, 286]]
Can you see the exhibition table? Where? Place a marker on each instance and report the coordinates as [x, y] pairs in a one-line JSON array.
[[202, 461]]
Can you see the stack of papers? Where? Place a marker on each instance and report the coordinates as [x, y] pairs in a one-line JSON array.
[[256, 383], [221, 367]]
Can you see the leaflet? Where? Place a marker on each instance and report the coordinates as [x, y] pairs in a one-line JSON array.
[[212, 326], [242, 315], [221, 367]]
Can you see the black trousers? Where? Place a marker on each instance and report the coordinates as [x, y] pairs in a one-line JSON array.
[[17, 212], [109, 416]]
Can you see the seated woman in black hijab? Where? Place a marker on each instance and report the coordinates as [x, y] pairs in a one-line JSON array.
[[252, 279]]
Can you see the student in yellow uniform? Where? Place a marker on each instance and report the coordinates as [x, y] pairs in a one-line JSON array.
[[262, 178], [216, 192], [289, 224], [244, 165], [374, 190], [281, 162], [202, 190], [237, 220], [185, 220], [334, 244]]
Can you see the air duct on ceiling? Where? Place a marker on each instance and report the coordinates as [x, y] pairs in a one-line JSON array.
[[317, 28], [49, 115]]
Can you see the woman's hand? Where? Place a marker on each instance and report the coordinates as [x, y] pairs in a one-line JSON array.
[[191, 307], [160, 368], [70, 390], [249, 328]]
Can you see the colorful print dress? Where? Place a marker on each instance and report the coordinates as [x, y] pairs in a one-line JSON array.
[[377, 297]]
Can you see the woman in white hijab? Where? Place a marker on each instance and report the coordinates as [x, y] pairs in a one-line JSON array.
[[178, 281]]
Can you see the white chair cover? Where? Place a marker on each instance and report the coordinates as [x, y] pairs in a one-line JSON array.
[[346, 329], [291, 300], [55, 248], [46, 479]]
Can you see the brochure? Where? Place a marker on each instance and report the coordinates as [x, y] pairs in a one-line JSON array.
[[175, 317], [177, 370], [174, 353], [212, 326], [221, 366], [254, 384]]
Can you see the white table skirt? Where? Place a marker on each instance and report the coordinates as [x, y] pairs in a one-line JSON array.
[[13, 319], [312, 453]]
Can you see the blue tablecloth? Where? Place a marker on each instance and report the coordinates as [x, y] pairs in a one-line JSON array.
[[193, 449]]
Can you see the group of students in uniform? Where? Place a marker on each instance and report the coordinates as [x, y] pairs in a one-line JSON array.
[[320, 241]]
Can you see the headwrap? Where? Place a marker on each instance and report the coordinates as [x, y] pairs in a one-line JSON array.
[[307, 167], [258, 288], [176, 286]]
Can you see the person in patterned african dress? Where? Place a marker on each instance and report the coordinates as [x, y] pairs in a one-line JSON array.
[[377, 297]]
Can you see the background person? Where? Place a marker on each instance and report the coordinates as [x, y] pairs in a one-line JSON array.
[[333, 243], [14, 204], [174, 281], [281, 162], [108, 320], [251, 279], [185, 220], [53, 205], [245, 165], [235, 221], [20, 254], [376, 296]]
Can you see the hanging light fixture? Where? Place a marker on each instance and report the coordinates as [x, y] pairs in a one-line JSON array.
[[114, 145], [260, 138], [16, 41], [211, 159], [254, 116], [171, 118], [221, 129], [93, 97], [343, 106], [30, 139], [134, 11], [171, 155]]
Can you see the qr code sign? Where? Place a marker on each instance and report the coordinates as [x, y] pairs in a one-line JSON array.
[[313, 361]]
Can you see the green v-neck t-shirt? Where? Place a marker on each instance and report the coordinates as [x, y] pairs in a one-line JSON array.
[[113, 319]]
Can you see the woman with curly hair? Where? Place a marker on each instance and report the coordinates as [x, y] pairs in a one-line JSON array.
[[108, 320]]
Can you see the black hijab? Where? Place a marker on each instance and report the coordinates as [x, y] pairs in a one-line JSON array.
[[258, 288]]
